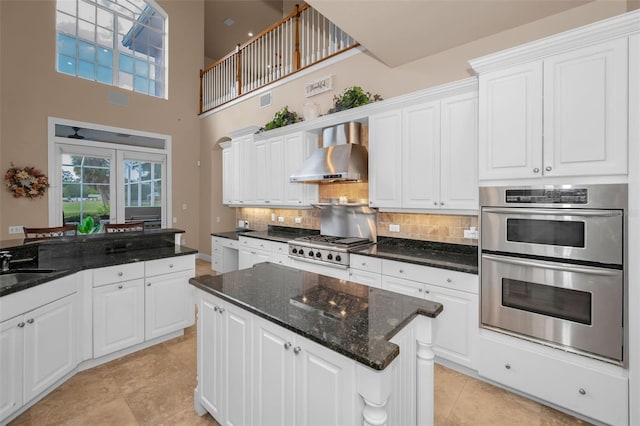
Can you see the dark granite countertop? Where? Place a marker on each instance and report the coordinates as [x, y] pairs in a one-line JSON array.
[[281, 234], [72, 254], [456, 257], [352, 319], [230, 235]]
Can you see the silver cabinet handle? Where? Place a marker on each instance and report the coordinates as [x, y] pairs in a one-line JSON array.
[[581, 391], [30, 321], [507, 366], [120, 286], [548, 168], [20, 324], [148, 284], [536, 170], [120, 274], [548, 265], [564, 212], [221, 310], [297, 350], [215, 308], [287, 345]]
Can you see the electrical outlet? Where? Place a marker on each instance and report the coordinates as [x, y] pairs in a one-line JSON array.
[[15, 229], [394, 228], [298, 220], [175, 220], [184, 206], [273, 217], [471, 233], [280, 219], [217, 219]]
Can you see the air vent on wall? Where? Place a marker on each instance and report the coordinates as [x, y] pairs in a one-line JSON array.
[[265, 100]]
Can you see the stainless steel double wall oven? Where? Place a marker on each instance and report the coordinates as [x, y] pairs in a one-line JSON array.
[[553, 266]]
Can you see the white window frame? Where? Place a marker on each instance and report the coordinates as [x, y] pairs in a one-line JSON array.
[[56, 144]]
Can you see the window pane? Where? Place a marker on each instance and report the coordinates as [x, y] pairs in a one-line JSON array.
[[66, 65], [104, 37], [126, 63], [86, 70], [66, 45], [142, 68], [105, 57], [87, 11], [85, 188], [125, 80], [105, 18], [67, 6], [66, 23], [141, 85], [124, 25], [105, 75], [86, 31], [86, 51]]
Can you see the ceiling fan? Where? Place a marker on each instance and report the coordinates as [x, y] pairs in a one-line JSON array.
[[75, 135]]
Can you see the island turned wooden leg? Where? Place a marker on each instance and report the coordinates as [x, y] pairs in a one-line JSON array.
[[375, 388], [425, 373]]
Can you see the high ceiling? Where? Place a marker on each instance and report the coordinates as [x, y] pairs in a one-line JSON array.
[[396, 32]]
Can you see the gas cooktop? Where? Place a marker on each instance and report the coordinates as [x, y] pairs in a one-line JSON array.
[[326, 249]]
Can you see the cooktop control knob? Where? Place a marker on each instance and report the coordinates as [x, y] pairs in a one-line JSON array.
[[300, 252], [294, 251], [318, 255], [338, 258], [310, 254], [329, 256]]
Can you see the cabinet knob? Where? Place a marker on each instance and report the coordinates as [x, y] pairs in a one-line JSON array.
[[30, 321], [287, 345], [426, 291], [449, 280], [215, 308], [20, 324], [581, 391], [120, 286], [420, 290], [548, 168], [221, 310], [120, 274], [171, 265], [536, 170], [442, 204], [364, 263], [507, 366], [297, 350], [148, 284], [401, 271], [435, 203]]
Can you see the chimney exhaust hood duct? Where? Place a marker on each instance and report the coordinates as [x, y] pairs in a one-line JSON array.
[[341, 159]]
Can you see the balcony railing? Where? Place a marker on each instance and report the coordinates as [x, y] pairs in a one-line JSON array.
[[299, 40]]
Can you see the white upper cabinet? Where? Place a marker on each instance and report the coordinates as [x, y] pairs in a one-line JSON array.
[[557, 107], [424, 156], [227, 173]]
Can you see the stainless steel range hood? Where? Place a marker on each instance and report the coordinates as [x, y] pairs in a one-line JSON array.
[[338, 160]]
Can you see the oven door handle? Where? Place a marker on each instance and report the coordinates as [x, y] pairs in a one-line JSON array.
[[554, 212], [551, 265]]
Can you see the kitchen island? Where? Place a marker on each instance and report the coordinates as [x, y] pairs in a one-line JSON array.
[[277, 345]]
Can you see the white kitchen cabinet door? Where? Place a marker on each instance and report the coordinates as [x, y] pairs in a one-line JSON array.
[[372, 279], [273, 375], [245, 258], [169, 304], [118, 316], [420, 156], [325, 381], [210, 357], [262, 173], [459, 152], [456, 331], [238, 353], [11, 365], [236, 171], [50, 344], [227, 175], [247, 169], [510, 122], [585, 110], [297, 148], [385, 159], [275, 173]]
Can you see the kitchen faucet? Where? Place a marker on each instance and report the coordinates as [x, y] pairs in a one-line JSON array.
[[5, 257]]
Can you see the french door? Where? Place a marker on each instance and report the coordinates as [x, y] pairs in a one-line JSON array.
[[111, 185]]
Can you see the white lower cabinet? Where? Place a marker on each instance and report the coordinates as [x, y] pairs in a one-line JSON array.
[[224, 361], [118, 316], [169, 304], [37, 349], [298, 382], [365, 270], [589, 387]]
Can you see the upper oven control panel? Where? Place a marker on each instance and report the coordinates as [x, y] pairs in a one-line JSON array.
[[547, 196]]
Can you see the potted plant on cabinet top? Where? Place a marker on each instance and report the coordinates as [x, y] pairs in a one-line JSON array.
[[352, 97], [282, 118]]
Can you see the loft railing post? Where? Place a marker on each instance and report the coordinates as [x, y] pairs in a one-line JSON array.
[[238, 70], [201, 94], [297, 41]]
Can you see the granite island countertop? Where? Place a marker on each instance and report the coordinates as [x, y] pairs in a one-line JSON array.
[[352, 319], [66, 256]]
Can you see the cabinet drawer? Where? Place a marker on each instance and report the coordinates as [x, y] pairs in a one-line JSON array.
[[255, 243], [118, 273], [425, 274], [371, 279], [402, 286], [169, 265], [280, 248], [216, 245], [365, 263], [217, 263], [594, 390], [226, 242]]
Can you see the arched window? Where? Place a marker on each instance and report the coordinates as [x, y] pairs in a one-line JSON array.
[[116, 42]]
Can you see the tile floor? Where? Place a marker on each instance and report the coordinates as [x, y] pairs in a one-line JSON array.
[[155, 387]]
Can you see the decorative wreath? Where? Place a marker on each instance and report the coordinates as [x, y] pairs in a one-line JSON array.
[[26, 182]]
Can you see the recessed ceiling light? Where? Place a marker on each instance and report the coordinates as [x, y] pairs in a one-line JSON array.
[[229, 22], [250, 34]]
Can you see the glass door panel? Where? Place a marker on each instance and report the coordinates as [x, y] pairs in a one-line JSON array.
[[143, 187]]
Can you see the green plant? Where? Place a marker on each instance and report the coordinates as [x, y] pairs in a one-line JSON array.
[[87, 226], [352, 97], [284, 117]]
